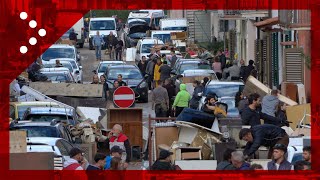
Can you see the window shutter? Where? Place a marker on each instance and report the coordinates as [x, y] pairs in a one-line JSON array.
[[293, 65]]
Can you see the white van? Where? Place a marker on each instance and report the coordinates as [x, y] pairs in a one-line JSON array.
[[152, 17], [144, 47], [78, 28], [104, 25], [165, 36], [174, 24]]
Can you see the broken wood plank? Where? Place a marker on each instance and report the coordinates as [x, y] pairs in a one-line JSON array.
[[255, 86], [18, 141], [68, 89]]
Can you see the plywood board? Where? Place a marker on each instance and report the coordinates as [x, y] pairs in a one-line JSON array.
[[197, 164], [68, 89], [131, 121], [165, 135], [40, 161], [18, 141], [289, 90], [130, 54], [255, 86], [296, 113], [187, 134]]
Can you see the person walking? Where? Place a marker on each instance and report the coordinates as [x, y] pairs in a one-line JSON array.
[[222, 59], [242, 69], [160, 100], [279, 161], [105, 92], [168, 84], [216, 67], [270, 102], [233, 71], [156, 76], [165, 71], [111, 44], [182, 100], [263, 135], [173, 58], [248, 70], [73, 37], [150, 72], [97, 42], [142, 65], [194, 102], [119, 48]]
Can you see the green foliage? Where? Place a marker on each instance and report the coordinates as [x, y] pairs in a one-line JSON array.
[[123, 14], [212, 47]]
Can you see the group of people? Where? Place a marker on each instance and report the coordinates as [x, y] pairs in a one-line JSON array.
[[113, 44], [118, 158], [236, 160]]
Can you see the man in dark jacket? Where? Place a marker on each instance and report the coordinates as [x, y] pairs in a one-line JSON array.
[[119, 48], [164, 161], [270, 103], [173, 58], [226, 164], [242, 69], [111, 42], [194, 102], [248, 70], [165, 71], [238, 161], [279, 161], [142, 65], [251, 115], [171, 89], [100, 161], [263, 135], [222, 59]]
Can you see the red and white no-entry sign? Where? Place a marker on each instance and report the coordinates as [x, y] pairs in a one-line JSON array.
[[123, 97]]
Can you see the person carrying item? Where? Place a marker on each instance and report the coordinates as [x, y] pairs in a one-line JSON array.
[[211, 106], [263, 135]]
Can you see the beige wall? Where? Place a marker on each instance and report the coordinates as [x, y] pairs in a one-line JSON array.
[[176, 13]]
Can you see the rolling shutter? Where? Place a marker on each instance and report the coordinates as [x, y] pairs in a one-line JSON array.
[[293, 65]]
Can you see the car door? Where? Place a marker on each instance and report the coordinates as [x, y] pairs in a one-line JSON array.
[[64, 147]]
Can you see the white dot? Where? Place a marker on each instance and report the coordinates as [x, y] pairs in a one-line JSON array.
[[23, 15], [33, 41], [33, 24], [42, 32], [23, 49]]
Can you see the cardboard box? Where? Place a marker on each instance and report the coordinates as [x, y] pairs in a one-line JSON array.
[[296, 113], [178, 35]]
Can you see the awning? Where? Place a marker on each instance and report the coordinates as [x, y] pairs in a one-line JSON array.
[[267, 22]]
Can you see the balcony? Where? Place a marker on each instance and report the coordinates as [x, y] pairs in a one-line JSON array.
[[295, 19], [242, 14]]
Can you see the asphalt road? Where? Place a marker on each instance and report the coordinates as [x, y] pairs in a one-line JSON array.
[[89, 63]]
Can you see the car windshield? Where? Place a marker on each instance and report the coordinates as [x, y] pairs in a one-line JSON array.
[[46, 118], [176, 28], [190, 66], [223, 90], [58, 77], [39, 131], [102, 25], [163, 37], [103, 66], [145, 19], [56, 53], [146, 48], [127, 73]]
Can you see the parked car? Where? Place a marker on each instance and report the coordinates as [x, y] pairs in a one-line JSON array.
[[201, 72], [47, 114], [59, 146], [132, 76], [226, 92], [102, 67], [136, 30], [74, 64], [181, 66], [59, 76], [59, 51], [44, 129], [17, 109]]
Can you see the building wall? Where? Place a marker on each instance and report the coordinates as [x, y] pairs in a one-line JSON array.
[[176, 13]]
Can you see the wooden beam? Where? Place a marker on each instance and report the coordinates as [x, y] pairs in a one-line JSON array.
[[267, 22], [299, 25]]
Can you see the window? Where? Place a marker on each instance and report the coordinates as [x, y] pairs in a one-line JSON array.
[[146, 48], [39, 131], [102, 25], [62, 148], [127, 73], [46, 117], [56, 53], [163, 37]]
